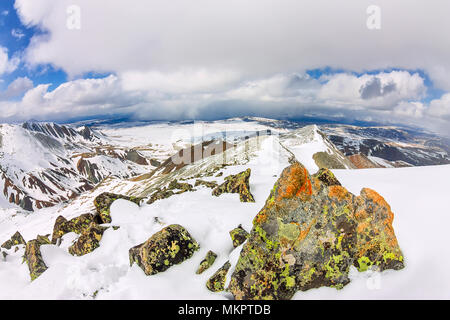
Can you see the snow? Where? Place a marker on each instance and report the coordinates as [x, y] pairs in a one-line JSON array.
[[417, 196]]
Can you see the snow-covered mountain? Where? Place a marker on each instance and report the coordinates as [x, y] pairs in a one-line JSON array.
[[43, 164]]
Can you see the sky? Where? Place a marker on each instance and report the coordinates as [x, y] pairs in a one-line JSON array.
[[383, 61]]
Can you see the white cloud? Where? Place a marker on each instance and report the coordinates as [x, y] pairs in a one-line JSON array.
[[440, 107], [7, 65], [255, 38], [16, 88], [17, 33]]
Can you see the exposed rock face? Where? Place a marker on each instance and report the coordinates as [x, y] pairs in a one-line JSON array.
[[217, 282], [104, 201], [136, 157], [238, 183], [33, 256], [308, 235], [207, 262], [77, 225], [88, 241], [172, 245], [239, 236], [15, 240]]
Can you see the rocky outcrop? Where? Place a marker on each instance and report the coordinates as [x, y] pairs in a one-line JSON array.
[[15, 240], [327, 177], [308, 235], [207, 262], [88, 241], [33, 256], [172, 245], [239, 183], [238, 236], [104, 201], [217, 282], [134, 156]]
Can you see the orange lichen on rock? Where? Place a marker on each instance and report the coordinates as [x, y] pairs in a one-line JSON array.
[[339, 192], [294, 182]]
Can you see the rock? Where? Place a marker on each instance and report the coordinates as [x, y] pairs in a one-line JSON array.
[[239, 236], [15, 240], [169, 191], [208, 184], [77, 225], [238, 183], [104, 201], [327, 177], [136, 157], [207, 262], [33, 257], [217, 282], [172, 245], [308, 235], [88, 241], [155, 162]]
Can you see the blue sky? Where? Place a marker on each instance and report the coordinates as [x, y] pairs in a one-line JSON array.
[[155, 60]]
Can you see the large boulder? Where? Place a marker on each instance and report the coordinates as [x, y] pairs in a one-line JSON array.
[[172, 245], [308, 235], [33, 256], [239, 183], [104, 201], [217, 282]]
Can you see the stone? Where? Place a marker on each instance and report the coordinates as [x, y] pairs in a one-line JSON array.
[[327, 177], [207, 262], [104, 201], [308, 234], [170, 190], [172, 245], [33, 257], [238, 236], [15, 240], [208, 184], [77, 225], [217, 282], [238, 183], [88, 241]]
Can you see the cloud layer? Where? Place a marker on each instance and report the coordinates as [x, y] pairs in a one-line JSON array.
[[180, 59]]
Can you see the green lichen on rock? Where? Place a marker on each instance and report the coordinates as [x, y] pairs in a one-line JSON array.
[[238, 236], [173, 188], [208, 184], [308, 235], [207, 262], [33, 257], [104, 201], [239, 183], [172, 245], [16, 239], [88, 241], [77, 225], [217, 282]]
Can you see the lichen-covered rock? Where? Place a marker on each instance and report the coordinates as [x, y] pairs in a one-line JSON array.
[[77, 225], [33, 257], [208, 184], [327, 177], [207, 262], [308, 235], [104, 201], [172, 245], [239, 236], [168, 191], [15, 240], [217, 282], [238, 183], [88, 241]]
